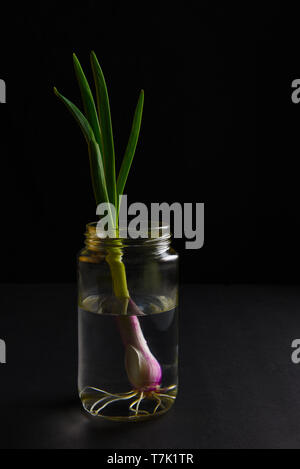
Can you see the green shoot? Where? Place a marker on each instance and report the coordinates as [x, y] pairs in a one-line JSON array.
[[131, 146], [106, 129], [96, 126]]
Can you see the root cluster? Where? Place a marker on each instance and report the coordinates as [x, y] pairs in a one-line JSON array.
[[159, 400]]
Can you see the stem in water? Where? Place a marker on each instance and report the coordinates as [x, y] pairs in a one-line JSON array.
[[143, 370]]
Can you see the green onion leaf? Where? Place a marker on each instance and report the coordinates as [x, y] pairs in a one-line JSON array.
[[96, 164], [88, 101], [131, 146], [106, 128], [97, 172], [79, 117]]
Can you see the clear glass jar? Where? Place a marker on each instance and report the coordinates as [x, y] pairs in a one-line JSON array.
[[128, 344]]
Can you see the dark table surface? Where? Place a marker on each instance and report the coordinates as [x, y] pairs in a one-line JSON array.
[[238, 385]]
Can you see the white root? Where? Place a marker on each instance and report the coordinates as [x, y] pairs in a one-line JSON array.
[[139, 397]]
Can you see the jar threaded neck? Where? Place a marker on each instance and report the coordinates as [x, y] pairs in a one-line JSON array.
[[157, 239]]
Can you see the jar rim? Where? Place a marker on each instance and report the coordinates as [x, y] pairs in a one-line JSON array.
[[157, 234]]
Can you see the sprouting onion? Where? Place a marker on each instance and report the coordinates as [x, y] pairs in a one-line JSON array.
[[143, 370]]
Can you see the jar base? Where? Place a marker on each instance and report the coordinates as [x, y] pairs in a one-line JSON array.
[[131, 406]]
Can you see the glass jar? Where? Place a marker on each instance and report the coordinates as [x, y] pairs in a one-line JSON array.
[[128, 345]]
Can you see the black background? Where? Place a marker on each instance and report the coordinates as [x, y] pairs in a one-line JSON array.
[[219, 127]]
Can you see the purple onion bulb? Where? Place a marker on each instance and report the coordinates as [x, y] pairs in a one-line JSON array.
[[143, 370]]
